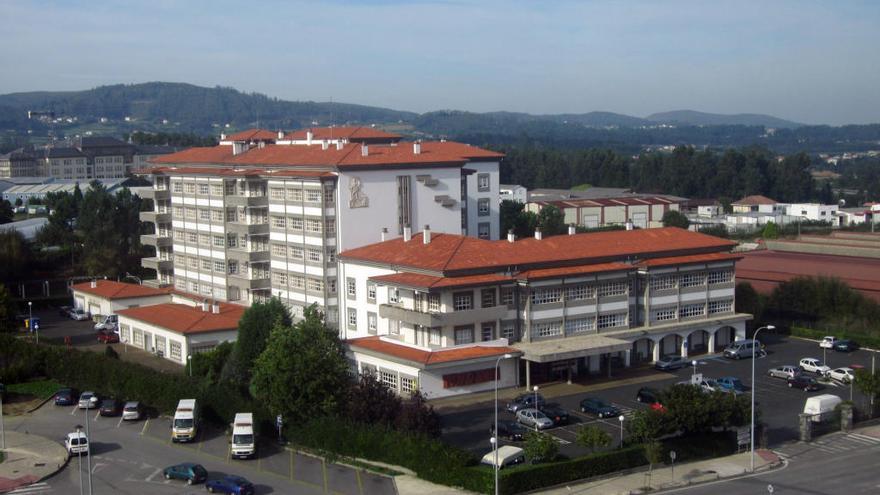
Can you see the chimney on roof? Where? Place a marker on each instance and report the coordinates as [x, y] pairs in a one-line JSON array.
[[572, 230], [407, 233], [280, 134], [426, 234], [238, 147], [417, 148], [339, 145], [365, 150], [538, 234], [215, 308], [206, 306], [222, 136], [309, 137], [383, 234], [629, 224], [261, 144], [94, 284], [325, 145], [510, 236]]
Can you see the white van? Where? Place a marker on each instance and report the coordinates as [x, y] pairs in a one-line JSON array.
[[739, 349], [76, 443], [821, 406], [244, 443], [184, 427], [508, 455]]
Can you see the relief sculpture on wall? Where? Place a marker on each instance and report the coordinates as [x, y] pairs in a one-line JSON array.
[[358, 199]]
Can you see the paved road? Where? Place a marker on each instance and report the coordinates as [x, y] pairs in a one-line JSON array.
[[835, 464], [468, 427], [128, 458]]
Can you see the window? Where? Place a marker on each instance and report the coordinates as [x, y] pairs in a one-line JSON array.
[[407, 384], [313, 195], [232, 266], [389, 378], [371, 291], [276, 193], [393, 295], [483, 230], [611, 321], [404, 203], [692, 279], [296, 253], [296, 224], [580, 292], [279, 250], [434, 336], [176, 187], [175, 350], [179, 235], [487, 332], [434, 303], [278, 222], [295, 194], [578, 325], [487, 298], [217, 215], [352, 318], [330, 227], [394, 327], [313, 225], [193, 262], [371, 323], [720, 276], [331, 255], [279, 278], [231, 215], [189, 188], [315, 255], [216, 190], [315, 284], [546, 296], [464, 335], [350, 288], [206, 265], [204, 189], [462, 301], [508, 331], [482, 182], [297, 282], [194, 287], [483, 207], [663, 282], [612, 289], [507, 296], [665, 314], [231, 240], [724, 306], [190, 213], [331, 285], [689, 310], [546, 329], [204, 239]]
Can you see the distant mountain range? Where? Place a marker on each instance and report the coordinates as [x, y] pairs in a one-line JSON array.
[[198, 109]]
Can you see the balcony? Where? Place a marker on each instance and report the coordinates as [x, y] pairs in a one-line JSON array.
[[468, 317], [158, 264], [155, 217], [155, 194], [240, 200], [156, 240], [248, 228], [252, 282], [249, 255]]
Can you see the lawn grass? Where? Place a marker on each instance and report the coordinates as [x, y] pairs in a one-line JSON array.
[[42, 389]]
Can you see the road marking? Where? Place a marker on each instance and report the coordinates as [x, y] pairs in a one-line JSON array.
[[97, 415], [75, 409], [145, 426], [865, 437], [119, 423], [32, 489]]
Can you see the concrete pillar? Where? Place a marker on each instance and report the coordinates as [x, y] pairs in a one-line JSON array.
[[711, 347], [684, 347], [656, 349], [528, 375], [627, 357], [846, 417], [594, 364], [569, 373], [608, 362], [805, 428], [740, 331]]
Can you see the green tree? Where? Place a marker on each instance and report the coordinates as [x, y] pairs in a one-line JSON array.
[[592, 437], [647, 425], [771, 231], [551, 221], [673, 218], [7, 310], [719, 230], [540, 447], [18, 202], [868, 384], [6, 211], [372, 402], [749, 301], [253, 336], [417, 416], [15, 256], [303, 372], [514, 217], [654, 455]]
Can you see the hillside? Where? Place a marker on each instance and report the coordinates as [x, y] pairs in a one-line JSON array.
[[691, 117]]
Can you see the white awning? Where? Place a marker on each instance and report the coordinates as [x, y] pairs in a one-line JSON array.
[[546, 351]]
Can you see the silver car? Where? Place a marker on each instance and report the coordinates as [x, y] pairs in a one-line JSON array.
[[131, 411], [88, 400], [785, 372], [845, 375], [532, 418]]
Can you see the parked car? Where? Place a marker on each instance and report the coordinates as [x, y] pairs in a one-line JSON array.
[[598, 407], [132, 411], [558, 415], [79, 314], [110, 323], [804, 382], [706, 385], [669, 363], [845, 375], [846, 345], [107, 337], [523, 401], [110, 407], [507, 455], [76, 443], [747, 348], [235, 485], [813, 365], [187, 471], [647, 395], [65, 397], [785, 372], [509, 430], [64, 311], [533, 418], [730, 384], [828, 342], [88, 400]]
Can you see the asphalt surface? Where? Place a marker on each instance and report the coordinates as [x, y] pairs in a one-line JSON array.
[[778, 405], [835, 464], [128, 458]]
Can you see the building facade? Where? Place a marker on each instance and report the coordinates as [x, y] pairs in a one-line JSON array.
[[644, 212], [435, 311]]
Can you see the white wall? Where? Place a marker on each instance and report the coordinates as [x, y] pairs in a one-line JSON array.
[[110, 306], [361, 273], [474, 195], [185, 341], [431, 382]]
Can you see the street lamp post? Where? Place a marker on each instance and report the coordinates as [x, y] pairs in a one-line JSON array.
[[31, 319], [89, 446], [189, 362], [494, 438], [621, 418], [2, 428], [535, 388], [79, 457], [694, 364], [754, 390]]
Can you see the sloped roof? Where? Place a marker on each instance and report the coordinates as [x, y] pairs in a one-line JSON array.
[[110, 289], [252, 135], [696, 258], [184, 319], [756, 199], [426, 358], [420, 281], [349, 133]]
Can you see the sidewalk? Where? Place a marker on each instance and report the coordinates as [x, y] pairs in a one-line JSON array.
[[29, 458]]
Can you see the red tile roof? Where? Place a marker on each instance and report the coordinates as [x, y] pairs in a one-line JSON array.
[[349, 133], [449, 253], [183, 319], [252, 135], [419, 281], [237, 172], [426, 358], [624, 201], [110, 289], [755, 200], [573, 271], [696, 258]]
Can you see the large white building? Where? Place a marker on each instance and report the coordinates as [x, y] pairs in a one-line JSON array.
[[435, 311], [265, 214]]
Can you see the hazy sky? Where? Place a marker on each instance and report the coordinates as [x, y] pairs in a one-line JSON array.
[[808, 61]]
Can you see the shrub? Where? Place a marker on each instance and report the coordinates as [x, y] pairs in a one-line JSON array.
[[110, 353], [540, 447]]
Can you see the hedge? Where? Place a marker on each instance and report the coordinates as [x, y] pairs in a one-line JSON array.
[[812, 333], [21, 360]]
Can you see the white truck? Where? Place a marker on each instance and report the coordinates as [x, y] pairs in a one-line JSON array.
[[243, 443], [821, 407], [184, 426]]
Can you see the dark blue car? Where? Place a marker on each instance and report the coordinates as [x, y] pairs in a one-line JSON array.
[[65, 397], [187, 471], [230, 484]]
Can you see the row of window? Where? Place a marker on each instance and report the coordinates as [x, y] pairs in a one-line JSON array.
[[298, 253], [690, 310], [298, 195], [300, 282], [300, 224], [693, 279], [206, 289], [205, 264]]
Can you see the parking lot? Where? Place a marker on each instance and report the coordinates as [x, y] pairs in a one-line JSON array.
[[779, 405]]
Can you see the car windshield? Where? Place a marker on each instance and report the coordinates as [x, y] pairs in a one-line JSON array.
[[183, 423], [86, 397], [242, 439], [131, 408]]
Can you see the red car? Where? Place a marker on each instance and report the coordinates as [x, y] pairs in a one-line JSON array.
[[105, 337]]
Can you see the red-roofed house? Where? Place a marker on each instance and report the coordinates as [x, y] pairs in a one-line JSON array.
[[755, 203], [107, 297], [437, 310], [644, 212]]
